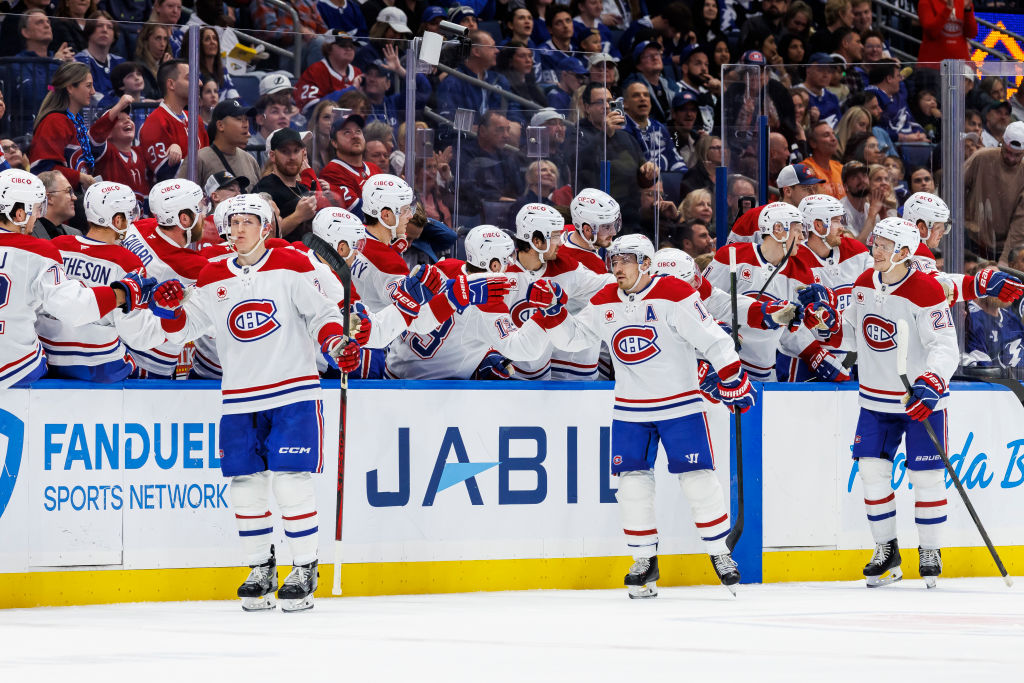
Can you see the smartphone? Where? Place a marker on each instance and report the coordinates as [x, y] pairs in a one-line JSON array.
[[617, 106], [744, 204]]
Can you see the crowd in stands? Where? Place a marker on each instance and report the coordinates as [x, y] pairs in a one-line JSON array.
[[625, 95]]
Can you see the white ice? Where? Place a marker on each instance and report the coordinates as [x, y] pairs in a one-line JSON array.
[[965, 630]]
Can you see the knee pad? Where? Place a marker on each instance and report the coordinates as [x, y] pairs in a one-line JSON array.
[[636, 487], [700, 485], [875, 471], [294, 492], [249, 493], [924, 480]]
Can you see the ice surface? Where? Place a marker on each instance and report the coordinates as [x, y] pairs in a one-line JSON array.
[[966, 630]]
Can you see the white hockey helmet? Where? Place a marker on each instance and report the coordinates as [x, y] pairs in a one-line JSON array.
[[927, 207], [539, 218], [820, 207], [902, 232], [251, 205], [105, 200], [21, 187], [170, 198], [677, 263], [385, 191], [334, 225], [635, 244], [484, 243], [779, 213], [598, 210], [220, 219]]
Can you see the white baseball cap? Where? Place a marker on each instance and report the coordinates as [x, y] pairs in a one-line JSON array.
[[275, 82], [395, 18], [545, 115], [1013, 137], [601, 57]]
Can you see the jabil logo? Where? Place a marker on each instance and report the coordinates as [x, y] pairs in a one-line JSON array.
[[12, 440]]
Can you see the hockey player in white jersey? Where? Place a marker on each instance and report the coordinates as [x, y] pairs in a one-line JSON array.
[[387, 202], [596, 219], [33, 281], [893, 290], [96, 352], [179, 208], [262, 305], [654, 327]]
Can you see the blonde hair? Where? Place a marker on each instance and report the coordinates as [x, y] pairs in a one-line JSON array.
[[533, 171], [844, 129], [890, 199], [67, 75], [690, 201]]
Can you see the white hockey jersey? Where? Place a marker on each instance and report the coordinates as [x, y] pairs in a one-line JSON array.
[[263, 318], [163, 260], [96, 263], [375, 267], [32, 281], [654, 336], [869, 328], [839, 270], [441, 344]]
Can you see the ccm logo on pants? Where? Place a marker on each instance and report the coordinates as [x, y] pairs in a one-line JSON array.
[[293, 449]]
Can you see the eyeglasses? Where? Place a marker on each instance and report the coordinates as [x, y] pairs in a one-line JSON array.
[[9, 148], [69, 191]]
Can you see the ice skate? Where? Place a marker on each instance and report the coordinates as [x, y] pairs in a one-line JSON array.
[[930, 565], [296, 594], [641, 578], [727, 571], [257, 593], [884, 567]]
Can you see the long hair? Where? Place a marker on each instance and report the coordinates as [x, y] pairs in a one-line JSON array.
[[216, 70], [151, 62], [844, 129], [69, 73]]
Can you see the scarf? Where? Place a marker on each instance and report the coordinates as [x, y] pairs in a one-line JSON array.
[[82, 133]]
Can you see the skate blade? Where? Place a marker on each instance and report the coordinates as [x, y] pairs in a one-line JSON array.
[[891, 576], [259, 604], [929, 581], [649, 590], [731, 589], [300, 605]]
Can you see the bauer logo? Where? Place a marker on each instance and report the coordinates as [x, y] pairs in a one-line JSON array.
[[635, 344], [12, 440], [879, 333], [253, 319]]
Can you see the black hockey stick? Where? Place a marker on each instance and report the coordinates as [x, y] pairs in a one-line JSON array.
[[902, 342], [775, 272], [332, 258], [737, 527]]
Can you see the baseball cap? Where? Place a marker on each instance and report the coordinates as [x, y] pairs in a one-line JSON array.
[[433, 12], [221, 179], [342, 38], [273, 83], [460, 12], [797, 174], [226, 108], [643, 45], [282, 136], [340, 123], [601, 57], [683, 98], [821, 58], [395, 18], [572, 65], [752, 57], [1013, 136], [377, 65], [852, 168], [996, 104], [545, 115]]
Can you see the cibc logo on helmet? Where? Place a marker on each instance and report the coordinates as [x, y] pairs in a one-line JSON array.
[[170, 188]]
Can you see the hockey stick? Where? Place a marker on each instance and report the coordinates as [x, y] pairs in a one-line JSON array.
[[902, 342], [775, 272], [737, 528], [333, 259]]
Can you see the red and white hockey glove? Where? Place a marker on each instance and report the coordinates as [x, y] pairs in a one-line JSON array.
[[546, 295], [707, 379], [363, 325], [924, 394], [822, 318], [137, 288], [341, 352], [771, 315], [168, 296], [995, 283], [416, 289], [735, 389], [824, 363]]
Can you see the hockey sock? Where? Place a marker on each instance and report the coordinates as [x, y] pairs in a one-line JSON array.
[[297, 499], [636, 506], [879, 498], [707, 505], [930, 506], [249, 498]]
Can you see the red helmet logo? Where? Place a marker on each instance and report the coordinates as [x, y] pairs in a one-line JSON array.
[[253, 319]]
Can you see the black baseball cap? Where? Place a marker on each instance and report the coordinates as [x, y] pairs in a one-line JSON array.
[[340, 123], [226, 108], [282, 136], [221, 179]]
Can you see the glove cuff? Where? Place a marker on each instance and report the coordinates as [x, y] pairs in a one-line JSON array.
[[934, 381], [549, 322], [331, 329], [174, 324]]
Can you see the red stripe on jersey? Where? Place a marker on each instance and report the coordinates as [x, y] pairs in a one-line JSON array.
[[881, 391], [298, 517], [930, 503], [887, 499], [50, 342], [265, 514], [24, 358], [656, 400], [307, 378], [586, 366], [645, 532], [704, 525]]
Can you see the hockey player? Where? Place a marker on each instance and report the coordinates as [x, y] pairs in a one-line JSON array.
[[179, 207], [596, 219], [387, 203], [654, 328], [32, 280], [96, 352], [893, 290], [795, 182], [261, 305]]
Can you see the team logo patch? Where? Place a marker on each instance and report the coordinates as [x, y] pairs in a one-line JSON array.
[[253, 319], [635, 344], [222, 293], [521, 312], [879, 333], [609, 315], [617, 460], [746, 273], [860, 297], [844, 294]]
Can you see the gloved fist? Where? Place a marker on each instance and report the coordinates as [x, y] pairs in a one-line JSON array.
[[822, 316], [341, 352], [777, 314], [416, 289], [737, 393], [816, 293], [462, 292], [924, 394], [361, 323], [825, 364], [493, 366], [546, 295], [707, 379], [137, 290], [167, 299], [998, 284]]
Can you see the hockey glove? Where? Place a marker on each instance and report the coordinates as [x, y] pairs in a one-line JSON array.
[[341, 352], [925, 393], [137, 290], [462, 292], [547, 296], [823, 318], [493, 366], [167, 299], [816, 293], [363, 325], [707, 378], [413, 291], [998, 284], [772, 315], [737, 393], [825, 364]]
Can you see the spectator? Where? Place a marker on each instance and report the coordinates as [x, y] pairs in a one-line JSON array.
[[706, 24], [12, 154], [37, 34], [519, 27], [702, 174], [273, 111], [278, 27], [429, 239], [741, 195], [649, 66], [778, 156], [542, 12], [541, 182], [168, 13], [861, 15], [151, 50], [554, 123], [436, 200], [695, 238], [798, 20], [559, 47], [463, 15], [855, 184], [718, 55], [589, 20], [994, 196], [356, 101], [838, 14], [946, 26], [884, 80], [603, 70], [11, 41], [164, 135], [992, 335], [571, 77], [100, 34], [515, 63], [319, 151], [863, 147], [685, 128], [972, 143], [331, 74], [823, 145], [489, 172], [881, 200], [60, 139], [793, 49], [601, 138], [386, 33], [431, 19], [455, 93], [851, 50], [768, 23], [651, 135], [897, 178], [344, 16], [869, 100], [382, 107], [874, 46], [229, 135], [113, 140], [973, 122], [855, 120], [60, 207], [126, 79], [218, 188], [209, 96], [347, 172], [377, 154], [697, 78], [921, 180], [211, 62], [285, 182], [698, 206], [819, 75], [69, 23], [667, 210], [997, 117], [925, 109]]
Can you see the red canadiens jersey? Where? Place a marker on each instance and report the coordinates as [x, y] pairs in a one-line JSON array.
[[320, 80], [161, 130], [127, 168], [347, 182], [573, 247]]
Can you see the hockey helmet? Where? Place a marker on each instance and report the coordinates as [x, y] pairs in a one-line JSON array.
[[21, 187], [902, 232], [385, 191], [677, 263], [779, 213], [927, 207], [484, 243], [821, 207], [105, 200], [598, 210], [637, 245], [334, 225], [539, 218], [170, 198]]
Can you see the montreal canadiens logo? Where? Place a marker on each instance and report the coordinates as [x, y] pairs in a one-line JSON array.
[[635, 344], [521, 312], [844, 295], [252, 320], [879, 333]]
